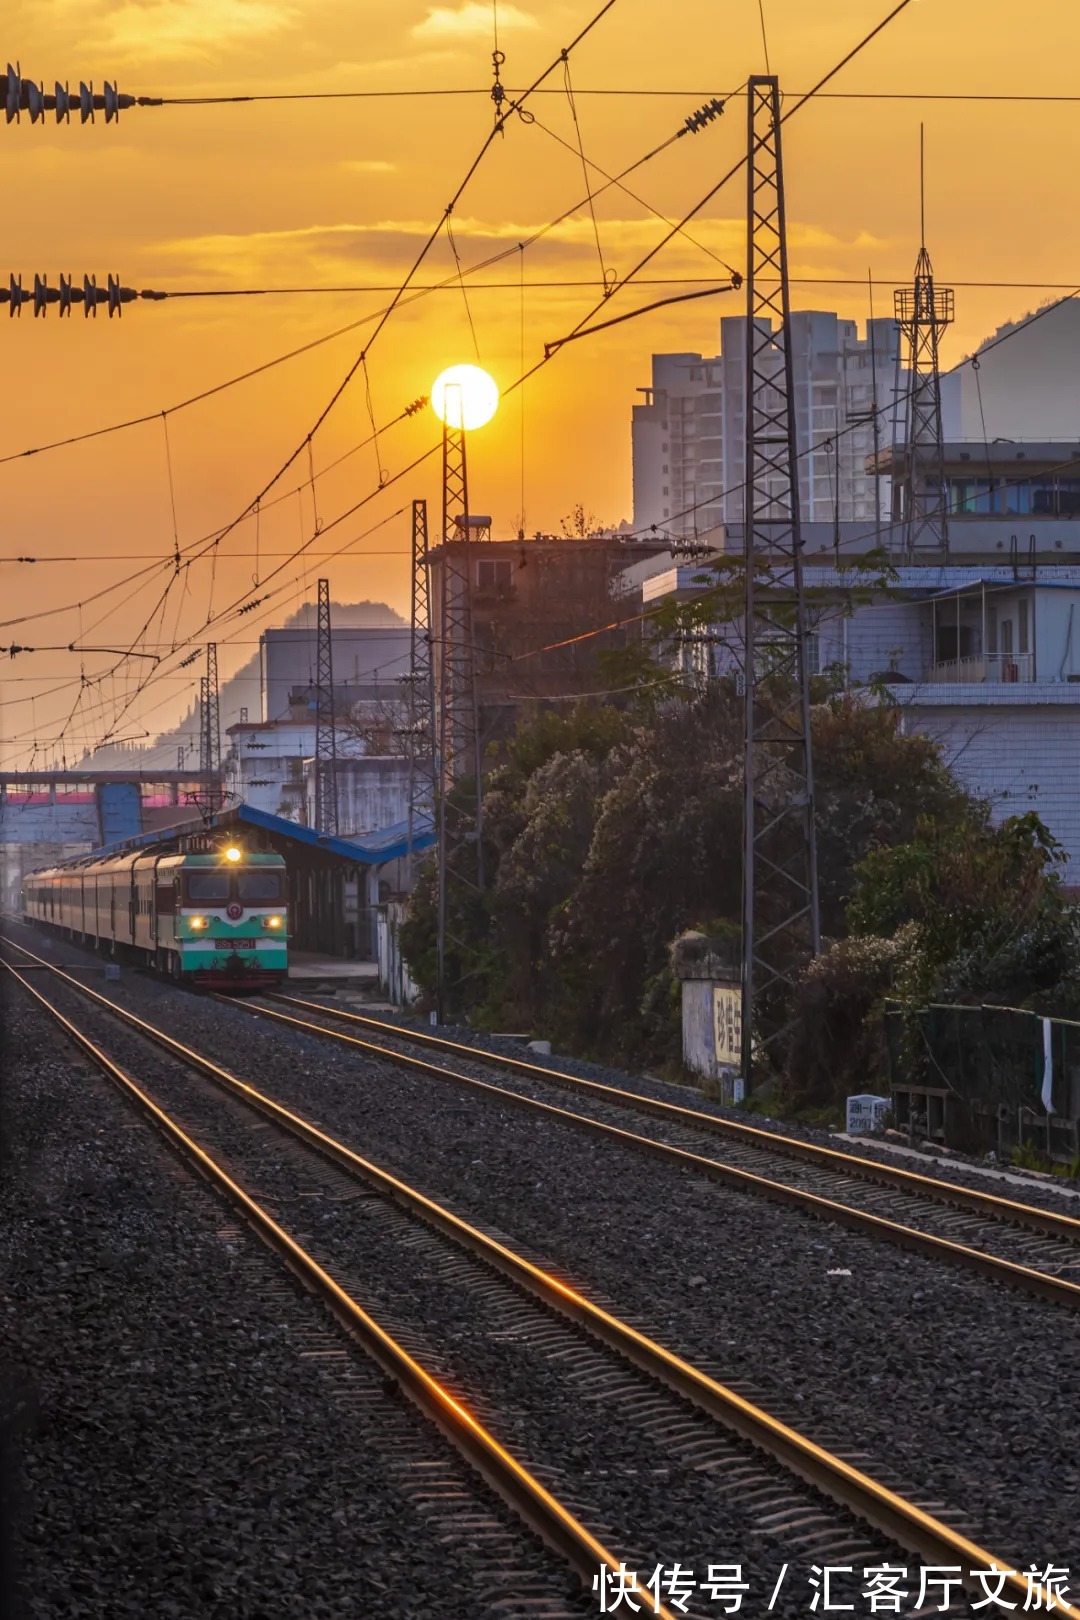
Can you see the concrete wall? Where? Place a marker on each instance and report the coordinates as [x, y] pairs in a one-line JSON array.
[[1057, 634], [373, 792], [1020, 755]]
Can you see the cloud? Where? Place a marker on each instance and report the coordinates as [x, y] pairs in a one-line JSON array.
[[367, 166], [171, 29], [378, 250], [470, 20]]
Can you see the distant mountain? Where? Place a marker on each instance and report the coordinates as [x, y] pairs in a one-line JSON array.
[[240, 691]]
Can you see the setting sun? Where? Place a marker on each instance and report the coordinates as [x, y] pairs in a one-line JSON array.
[[464, 396]]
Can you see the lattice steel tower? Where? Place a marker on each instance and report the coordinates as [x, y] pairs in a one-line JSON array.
[[923, 311], [421, 689], [326, 802], [781, 926], [210, 732], [460, 818]]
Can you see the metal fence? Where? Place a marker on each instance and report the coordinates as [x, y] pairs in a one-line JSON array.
[[986, 1078]]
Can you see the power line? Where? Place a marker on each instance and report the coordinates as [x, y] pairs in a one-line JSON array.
[[635, 91], [454, 285], [736, 168], [515, 106], [144, 556]]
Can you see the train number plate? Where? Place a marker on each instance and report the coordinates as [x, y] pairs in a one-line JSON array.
[[234, 944]]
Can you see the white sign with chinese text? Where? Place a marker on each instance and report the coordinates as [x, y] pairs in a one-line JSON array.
[[866, 1113], [727, 1023]]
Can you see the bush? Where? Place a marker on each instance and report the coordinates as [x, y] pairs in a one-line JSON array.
[[836, 1046]]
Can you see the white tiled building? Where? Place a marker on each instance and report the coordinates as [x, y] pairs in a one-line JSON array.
[[983, 658]]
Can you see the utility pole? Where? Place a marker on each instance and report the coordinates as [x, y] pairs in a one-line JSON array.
[[459, 745], [326, 802], [923, 312], [421, 705], [781, 924]]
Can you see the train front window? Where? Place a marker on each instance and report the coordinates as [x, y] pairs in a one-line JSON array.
[[207, 886], [258, 884]]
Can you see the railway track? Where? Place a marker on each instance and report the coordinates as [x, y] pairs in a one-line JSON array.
[[1017, 1244], [706, 1441]]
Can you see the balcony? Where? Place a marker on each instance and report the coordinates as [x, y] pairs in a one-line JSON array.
[[994, 669]]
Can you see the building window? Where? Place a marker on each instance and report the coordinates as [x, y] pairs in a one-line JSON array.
[[665, 467], [665, 489], [494, 576], [1022, 626]]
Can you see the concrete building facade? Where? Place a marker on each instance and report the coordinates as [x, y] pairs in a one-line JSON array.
[[689, 433], [537, 604], [369, 664]]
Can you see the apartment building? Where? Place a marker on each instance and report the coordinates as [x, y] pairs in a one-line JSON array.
[[689, 432]]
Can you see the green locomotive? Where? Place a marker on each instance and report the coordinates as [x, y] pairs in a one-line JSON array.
[[216, 920]]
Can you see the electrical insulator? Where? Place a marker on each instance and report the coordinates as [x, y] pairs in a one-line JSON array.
[[15, 296], [118, 296], [89, 295], [704, 115], [13, 99], [19, 95]]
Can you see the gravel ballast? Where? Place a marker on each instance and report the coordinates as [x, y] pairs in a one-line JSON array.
[[184, 1436], [957, 1383]]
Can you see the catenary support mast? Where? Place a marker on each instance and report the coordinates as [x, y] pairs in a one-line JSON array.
[[421, 691], [326, 799], [459, 827], [781, 926]]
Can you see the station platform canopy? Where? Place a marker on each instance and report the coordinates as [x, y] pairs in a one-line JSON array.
[[370, 850], [334, 885]]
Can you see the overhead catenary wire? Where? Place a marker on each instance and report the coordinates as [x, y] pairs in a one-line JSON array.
[[634, 91], [799, 102], [817, 90], [515, 107], [223, 639]]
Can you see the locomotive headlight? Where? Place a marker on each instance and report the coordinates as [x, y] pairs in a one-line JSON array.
[[272, 922], [232, 853], [197, 922]]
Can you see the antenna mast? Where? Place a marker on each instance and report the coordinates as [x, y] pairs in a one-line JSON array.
[[923, 312]]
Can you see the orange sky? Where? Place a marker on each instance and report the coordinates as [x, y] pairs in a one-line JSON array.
[[318, 193]]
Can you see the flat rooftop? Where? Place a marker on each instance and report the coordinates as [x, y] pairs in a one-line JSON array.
[[1009, 457]]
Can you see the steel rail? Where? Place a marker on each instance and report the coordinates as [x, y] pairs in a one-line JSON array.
[[905, 1523], [1047, 1222], [541, 1511], [1058, 1290]]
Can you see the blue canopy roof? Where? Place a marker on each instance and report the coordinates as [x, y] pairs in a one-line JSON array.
[[372, 849]]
